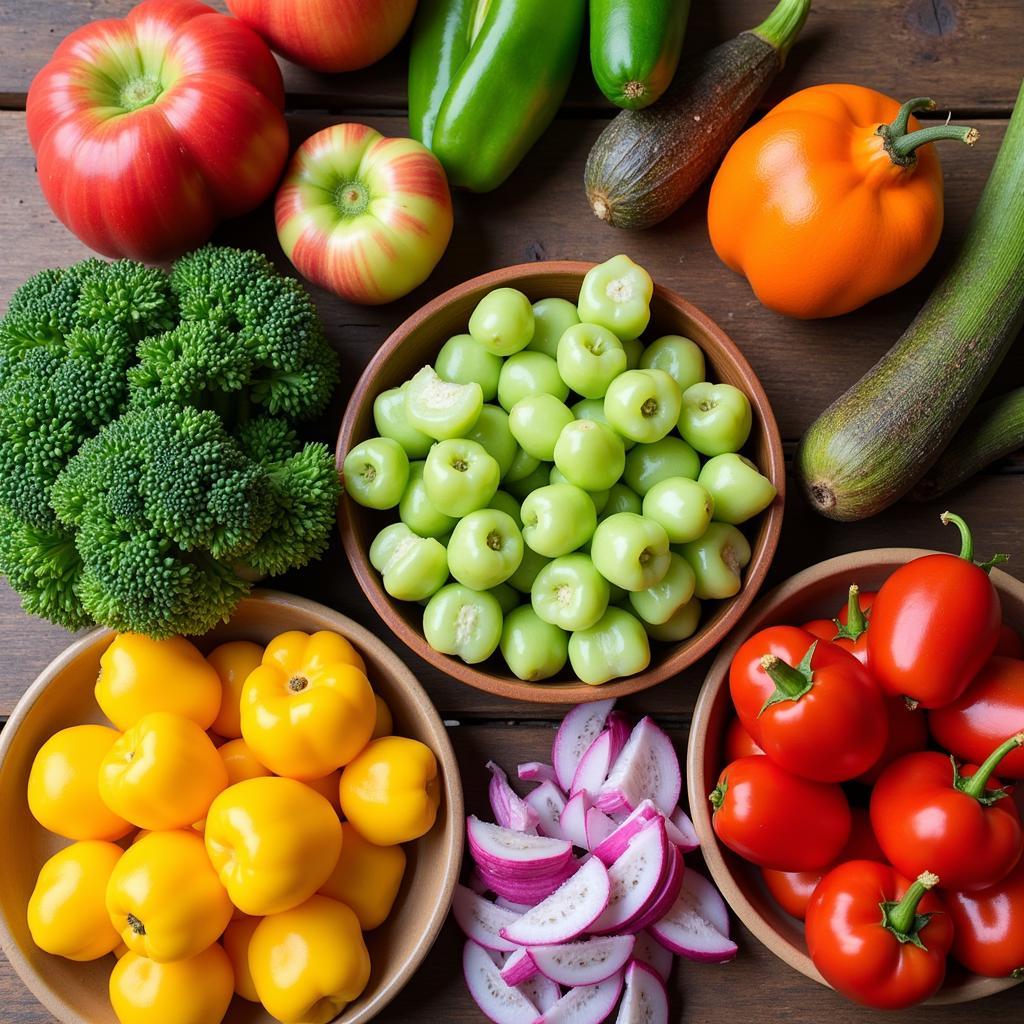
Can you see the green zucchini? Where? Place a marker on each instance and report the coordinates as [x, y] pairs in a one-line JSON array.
[[635, 47], [647, 163], [872, 444]]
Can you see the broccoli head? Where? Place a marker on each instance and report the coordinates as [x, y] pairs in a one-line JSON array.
[[248, 337]]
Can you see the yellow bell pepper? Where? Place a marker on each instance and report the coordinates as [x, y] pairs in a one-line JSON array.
[[236, 945], [164, 898], [163, 773], [366, 878], [139, 675], [233, 662], [240, 762], [327, 787], [391, 791], [193, 991], [309, 962], [385, 725], [273, 842], [307, 709], [67, 915], [63, 786]]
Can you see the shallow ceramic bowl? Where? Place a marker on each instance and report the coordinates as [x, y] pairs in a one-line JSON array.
[[63, 696], [814, 593], [416, 343]]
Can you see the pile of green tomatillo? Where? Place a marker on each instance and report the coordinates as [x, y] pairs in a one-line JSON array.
[[575, 514]]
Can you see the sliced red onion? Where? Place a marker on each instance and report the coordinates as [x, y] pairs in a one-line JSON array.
[[510, 809], [537, 771], [573, 820], [516, 908], [499, 1002], [547, 802], [481, 920], [567, 912], [647, 768], [667, 894], [682, 833], [614, 844], [697, 926], [519, 967], [652, 953], [586, 962], [594, 766], [598, 827], [526, 890], [636, 878], [580, 727], [588, 1004], [541, 991], [645, 1000], [502, 850]]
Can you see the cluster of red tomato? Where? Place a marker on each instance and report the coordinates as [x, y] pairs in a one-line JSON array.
[[845, 710]]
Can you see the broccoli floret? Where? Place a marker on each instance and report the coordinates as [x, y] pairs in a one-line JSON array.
[[248, 337]]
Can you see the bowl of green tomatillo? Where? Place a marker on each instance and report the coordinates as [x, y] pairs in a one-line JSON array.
[[563, 482]]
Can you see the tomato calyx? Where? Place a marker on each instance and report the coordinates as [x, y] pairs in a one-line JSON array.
[[976, 785], [791, 682], [900, 917], [717, 795], [1017, 973], [856, 624], [967, 543]]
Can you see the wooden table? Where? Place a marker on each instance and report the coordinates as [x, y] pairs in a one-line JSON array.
[[964, 53]]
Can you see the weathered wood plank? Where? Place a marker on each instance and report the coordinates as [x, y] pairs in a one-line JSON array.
[[754, 987], [963, 53]]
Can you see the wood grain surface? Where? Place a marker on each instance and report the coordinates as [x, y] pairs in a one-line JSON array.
[[967, 54]]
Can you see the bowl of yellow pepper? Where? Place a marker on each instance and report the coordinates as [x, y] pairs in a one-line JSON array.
[[267, 821]]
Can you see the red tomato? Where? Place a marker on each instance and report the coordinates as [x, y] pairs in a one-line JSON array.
[[849, 629], [811, 706], [149, 130], [1009, 644], [908, 732], [792, 890], [934, 623], [778, 820], [738, 742], [888, 961], [983, 714], [988, 927], [364, 216], [958, 824], [328, 35]]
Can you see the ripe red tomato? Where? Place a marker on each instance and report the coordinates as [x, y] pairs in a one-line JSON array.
[[328, 35], [149, 130], [908, 732], [988, 927], [849, 629], [364, 216], [778, 820], [738, 742]]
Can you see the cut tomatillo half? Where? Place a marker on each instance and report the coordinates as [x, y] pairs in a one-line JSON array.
[[439, 408], [463, 622], [616, 294], [411, 567], [643, 405]]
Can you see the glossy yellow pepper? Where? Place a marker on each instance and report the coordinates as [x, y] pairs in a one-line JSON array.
[[273, 842], [163, 773], [385, 725], [63, 784], [391, 791], [240, 762], [328, 787], [139, 675], [308, 709], [233, 662], [164, 898], [309, 962], [193, 991], [366, 878], [67, 914], [236, 944]]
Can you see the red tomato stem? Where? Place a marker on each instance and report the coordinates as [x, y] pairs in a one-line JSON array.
[[901, 917], [791, 683], [975, 785], [856, 624], [967, 542]]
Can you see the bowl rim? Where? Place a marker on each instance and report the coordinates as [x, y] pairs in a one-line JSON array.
[[570, 692], [364, 640], [975, 986]]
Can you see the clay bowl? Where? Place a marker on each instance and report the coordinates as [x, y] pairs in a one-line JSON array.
[[63, 696], [813, 593], [418, 340]]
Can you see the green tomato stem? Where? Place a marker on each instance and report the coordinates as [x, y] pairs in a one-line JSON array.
[[901, 917], [717, 795], [898, 125], [975, 786], [790, 683], [780, 29], [856, 622], [967, 542]]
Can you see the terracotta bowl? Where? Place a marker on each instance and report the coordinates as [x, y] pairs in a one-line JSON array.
[[417, 341], [816, 592], [63, 696]]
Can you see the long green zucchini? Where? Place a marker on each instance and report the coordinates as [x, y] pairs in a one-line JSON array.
[[647, 163], [872, 444]]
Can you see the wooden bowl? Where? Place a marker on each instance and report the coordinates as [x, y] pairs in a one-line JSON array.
[[417, 341], [814, 593], [63, 696]]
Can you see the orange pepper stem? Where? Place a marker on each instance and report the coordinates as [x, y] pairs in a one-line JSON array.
[[975, 786], [856, 623], [900, 145], [901, 917]]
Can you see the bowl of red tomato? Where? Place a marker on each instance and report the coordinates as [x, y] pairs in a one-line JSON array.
[[850, 771]]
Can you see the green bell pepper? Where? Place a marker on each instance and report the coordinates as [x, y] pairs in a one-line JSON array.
[[486, 77]]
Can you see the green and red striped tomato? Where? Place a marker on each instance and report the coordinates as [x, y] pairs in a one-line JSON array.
[[328, 35], [364, 216]]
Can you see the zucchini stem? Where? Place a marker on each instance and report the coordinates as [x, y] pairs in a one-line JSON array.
[[994, 429], [780, 29]]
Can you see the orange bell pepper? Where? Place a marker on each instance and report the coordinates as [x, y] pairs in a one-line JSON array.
[[832, 199]]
